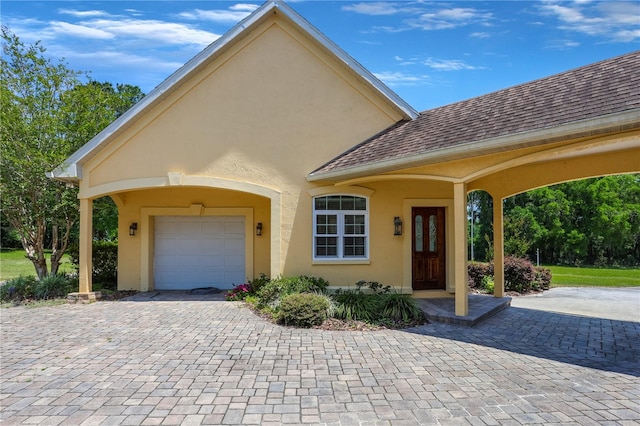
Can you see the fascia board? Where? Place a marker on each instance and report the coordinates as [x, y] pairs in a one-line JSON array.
[[611, 122], [70, 170]]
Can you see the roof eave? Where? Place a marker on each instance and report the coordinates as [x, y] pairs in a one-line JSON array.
[[607, 123]]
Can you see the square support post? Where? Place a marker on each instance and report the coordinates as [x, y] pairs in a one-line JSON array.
[[498, 247], [86, 241], [460, 248]]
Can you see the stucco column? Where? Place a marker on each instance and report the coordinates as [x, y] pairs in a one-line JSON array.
[[498, 247], [86, 240], [460, 247], [276, 237]]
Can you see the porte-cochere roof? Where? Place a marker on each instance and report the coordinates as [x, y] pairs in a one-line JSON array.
[[605, 89]]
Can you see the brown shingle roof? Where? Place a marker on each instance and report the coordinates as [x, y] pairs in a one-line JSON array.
[[592, 91]]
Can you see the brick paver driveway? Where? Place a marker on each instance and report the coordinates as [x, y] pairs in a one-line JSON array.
[[201, 361]]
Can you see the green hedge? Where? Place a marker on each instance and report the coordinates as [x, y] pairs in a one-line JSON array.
[[105, 263], [26, 288], [519, 275], [303, 310]]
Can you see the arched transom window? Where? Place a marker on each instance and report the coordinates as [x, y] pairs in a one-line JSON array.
[[340, 227]]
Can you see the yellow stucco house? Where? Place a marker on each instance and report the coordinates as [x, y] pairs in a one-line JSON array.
[[273, 151]]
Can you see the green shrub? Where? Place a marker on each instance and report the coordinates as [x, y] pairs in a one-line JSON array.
[[518, 274], [54, 286], [105, 262], [18, 289], [258, 283], [542, 280], [488, 284], [476, 272], [399, 307], [354, 305], [303, 310], [271, 293]]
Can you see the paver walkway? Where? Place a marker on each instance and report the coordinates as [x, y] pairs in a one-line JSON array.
[[200, 361]]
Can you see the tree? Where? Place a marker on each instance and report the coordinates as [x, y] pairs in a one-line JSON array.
[[46, 113], [593, 221]]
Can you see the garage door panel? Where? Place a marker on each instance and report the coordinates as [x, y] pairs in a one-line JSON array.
[[231, 261], [234, 228], [193, 252], [167, 227], [189, 261], [213, 228], [213, 261], [235, 277], [165, 247], [214, 244], [189, 245], [190, 228], [233, 244]]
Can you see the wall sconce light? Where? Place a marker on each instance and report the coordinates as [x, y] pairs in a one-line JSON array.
[[397, 226], [133, 228], [259, 229]]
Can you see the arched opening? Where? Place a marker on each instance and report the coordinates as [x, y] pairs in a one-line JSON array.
[[480, 232], [592, 221]]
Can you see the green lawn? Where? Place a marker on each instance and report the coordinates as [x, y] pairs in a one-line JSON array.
[[566, 276], [13, 264]]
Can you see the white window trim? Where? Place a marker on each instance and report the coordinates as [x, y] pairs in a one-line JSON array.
[[340, 258]]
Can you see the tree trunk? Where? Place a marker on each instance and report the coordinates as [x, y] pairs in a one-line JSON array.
[[32, 240], [59, 246]]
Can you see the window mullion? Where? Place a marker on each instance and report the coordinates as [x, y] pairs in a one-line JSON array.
[[340, 216]]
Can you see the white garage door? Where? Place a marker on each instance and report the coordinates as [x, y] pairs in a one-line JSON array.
[[196, 252]]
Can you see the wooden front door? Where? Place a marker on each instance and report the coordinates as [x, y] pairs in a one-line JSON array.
[[428, 248]]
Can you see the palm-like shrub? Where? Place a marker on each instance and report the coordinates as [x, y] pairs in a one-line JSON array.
[[399, 307], [354, 305], [54, 286]]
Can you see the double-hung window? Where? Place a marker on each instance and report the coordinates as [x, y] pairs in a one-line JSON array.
[[340, 227]]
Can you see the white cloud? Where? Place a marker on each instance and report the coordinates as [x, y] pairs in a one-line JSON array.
[[119, 59], [450, 65], [425, 16], [221, 16], [480, 35], [450, 18], [616, 21], [244, 7], [393, 78], [73, 30], [83, 13], [234, 14], [563, 44], [373, 8], [626, 35], [152, 30]]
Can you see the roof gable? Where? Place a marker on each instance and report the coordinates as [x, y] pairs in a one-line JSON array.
[[72, 168], [587, 100]]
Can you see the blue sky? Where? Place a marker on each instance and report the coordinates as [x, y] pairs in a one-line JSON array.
[[431, 53]]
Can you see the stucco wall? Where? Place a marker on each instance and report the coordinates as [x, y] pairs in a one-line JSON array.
[[386, 250]]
